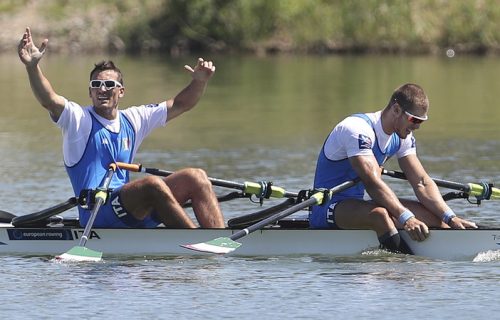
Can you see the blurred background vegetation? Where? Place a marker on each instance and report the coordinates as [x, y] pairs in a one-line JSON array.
[[260, 27]]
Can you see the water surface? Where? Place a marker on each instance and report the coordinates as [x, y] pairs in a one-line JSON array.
[[260, 119]]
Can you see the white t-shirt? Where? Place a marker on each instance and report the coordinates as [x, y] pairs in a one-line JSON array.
[[76, 124], [343, 141]]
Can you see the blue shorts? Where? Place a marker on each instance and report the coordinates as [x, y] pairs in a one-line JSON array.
[[113, 215], [323, 217]]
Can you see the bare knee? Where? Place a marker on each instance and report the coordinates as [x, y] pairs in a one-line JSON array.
[[156, 188], [380, 219], [198, 174], [196, 177], [142, 196]]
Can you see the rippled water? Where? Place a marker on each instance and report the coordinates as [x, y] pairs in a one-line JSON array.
[[379, 287], [261, 119]]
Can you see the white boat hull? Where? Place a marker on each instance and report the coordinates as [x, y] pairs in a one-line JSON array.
[[442, 244]]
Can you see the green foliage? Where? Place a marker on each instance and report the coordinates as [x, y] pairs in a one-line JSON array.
[[182, 26], [7, 6], [472, 25], [373, 23], [208, 24]]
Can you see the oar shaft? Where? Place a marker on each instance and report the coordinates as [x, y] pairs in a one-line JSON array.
[[439, 182], [214, 181], [100, 197], [259, 225], [473, 189], [130, 166], [478, 190], [90, 222], [315, 199], [247, 187], [226, 245], [45, 213]]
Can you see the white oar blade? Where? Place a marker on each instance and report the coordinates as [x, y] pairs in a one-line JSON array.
[[221, 245], [80, 254]]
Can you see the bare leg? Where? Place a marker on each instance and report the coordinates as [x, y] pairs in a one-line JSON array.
[[193, 184], [165, 196], [142, 197], [359, 214], [353, 214]]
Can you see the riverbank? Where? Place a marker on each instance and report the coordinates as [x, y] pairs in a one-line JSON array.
[[260, 27]]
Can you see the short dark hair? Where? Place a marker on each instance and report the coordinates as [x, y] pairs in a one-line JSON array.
[[409, 96], [106, 65]]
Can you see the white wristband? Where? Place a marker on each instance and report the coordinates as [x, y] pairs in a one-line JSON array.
[[405, 216], [448, 215]]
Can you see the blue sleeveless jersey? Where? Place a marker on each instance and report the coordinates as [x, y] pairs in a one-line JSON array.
[[330, 173], [107, 147]]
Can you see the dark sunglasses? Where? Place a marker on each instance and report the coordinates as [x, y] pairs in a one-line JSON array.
[[108, 84]]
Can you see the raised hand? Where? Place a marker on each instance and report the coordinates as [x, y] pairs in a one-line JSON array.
[[28, 52], [202, 71]]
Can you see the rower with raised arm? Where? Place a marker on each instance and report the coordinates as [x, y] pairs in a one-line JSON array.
[[358, 146], [99, 134]]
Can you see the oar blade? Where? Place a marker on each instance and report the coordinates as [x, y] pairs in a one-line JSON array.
[[80, 254], [220, 245], [6, 217]]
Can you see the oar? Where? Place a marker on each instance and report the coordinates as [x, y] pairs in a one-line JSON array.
[[224, 245], [80, 252], [247, 187], [248, 219], [6, 217], [29, 219], [483, 191]]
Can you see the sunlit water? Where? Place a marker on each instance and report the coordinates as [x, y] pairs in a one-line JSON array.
[[260, 119]]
